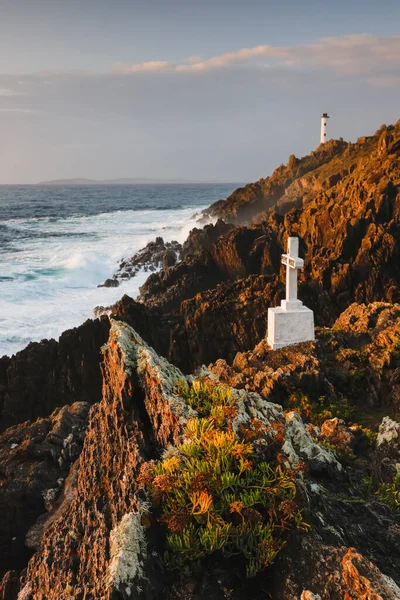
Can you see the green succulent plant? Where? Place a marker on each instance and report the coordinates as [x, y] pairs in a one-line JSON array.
[[216, 494]]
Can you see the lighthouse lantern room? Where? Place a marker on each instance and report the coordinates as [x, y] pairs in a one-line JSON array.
[[324, 120]]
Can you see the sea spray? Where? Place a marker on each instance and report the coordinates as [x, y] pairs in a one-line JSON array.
[[50, 265]]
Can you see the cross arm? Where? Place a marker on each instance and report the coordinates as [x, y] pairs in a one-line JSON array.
[[294, 263]]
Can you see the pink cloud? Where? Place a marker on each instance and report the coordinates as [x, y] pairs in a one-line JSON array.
[[359, 54], [151, 66]]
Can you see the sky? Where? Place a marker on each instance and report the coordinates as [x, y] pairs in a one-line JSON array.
[[205, 90]]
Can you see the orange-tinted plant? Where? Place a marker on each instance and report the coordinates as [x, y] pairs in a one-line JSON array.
[[217, 494]]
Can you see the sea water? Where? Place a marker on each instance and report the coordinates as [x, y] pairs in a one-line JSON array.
[[57, 243]]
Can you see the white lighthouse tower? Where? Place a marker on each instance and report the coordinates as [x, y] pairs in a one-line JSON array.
[[324, 120]]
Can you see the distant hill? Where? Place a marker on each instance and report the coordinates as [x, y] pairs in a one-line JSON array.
[[126, 180]]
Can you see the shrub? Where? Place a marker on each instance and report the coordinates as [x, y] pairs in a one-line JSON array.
[[344, 454], [318, 410], [215, 493], [395, 350], [204, 396], [389, 493], [371, 436]]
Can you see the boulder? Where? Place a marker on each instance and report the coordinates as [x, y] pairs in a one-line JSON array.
[[169, 258], [110, 283], [387, 456], [336, 432]]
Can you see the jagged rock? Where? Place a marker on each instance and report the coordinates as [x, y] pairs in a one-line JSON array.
[[348, 220], [371, 318], [168, 288], [9, 586], [200, 240], [169, 258], [384, 141], [348, 224], [387, 457], [245, 203], [94, 544], [138, 414], [154, 256], [331, 573], [343, 202], [49, 374], [35, 459], [358, 359], [301, 444], [149, 322], [236, 254], [110, 283], [336, 432], [221, 322]]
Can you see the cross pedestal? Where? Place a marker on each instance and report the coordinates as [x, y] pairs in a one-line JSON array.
[[291, 322]]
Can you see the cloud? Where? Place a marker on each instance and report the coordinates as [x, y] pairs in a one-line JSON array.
[[386, 81], [348, 55], [194, 59], [9, 93], [230, 58], [151, 66], [18, 110], [233, 115], [359, 54], [259, 78]]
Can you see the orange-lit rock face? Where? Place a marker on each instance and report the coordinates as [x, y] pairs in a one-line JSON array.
[[343, 201], [341, 573], [358, 358], [347, 215], [97, 540], [121, 434], [363, 580], [212, 307]]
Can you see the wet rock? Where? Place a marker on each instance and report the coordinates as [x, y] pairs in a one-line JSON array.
[[169, 258], [153, 257], [110, 283]]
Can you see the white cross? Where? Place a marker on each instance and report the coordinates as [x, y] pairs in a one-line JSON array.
[[292, 262]]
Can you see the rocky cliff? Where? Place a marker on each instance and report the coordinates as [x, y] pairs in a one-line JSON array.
[[83, 418], [98, 539], [343, 201]]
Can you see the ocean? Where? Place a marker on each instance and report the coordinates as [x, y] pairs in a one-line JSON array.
[[57, 243]]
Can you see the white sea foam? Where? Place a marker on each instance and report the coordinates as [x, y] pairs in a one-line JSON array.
[[49, 283]]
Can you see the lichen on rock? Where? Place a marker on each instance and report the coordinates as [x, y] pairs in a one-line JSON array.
[[299, 445], [128, 551]]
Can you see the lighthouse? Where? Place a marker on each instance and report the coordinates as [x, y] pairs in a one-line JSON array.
[[324, 119]]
